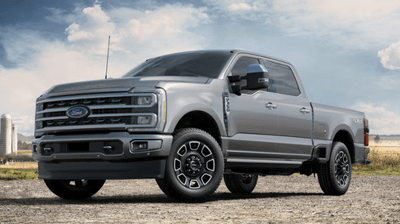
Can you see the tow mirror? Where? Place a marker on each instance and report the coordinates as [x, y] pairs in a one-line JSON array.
[[234, 78], [257, 76], [235, 88]]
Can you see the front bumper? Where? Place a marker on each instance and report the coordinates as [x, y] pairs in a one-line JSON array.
[[114, 155], [102, 170]]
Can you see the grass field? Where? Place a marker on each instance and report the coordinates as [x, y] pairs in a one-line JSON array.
[[24, 151], [19, 171], [385, 161]]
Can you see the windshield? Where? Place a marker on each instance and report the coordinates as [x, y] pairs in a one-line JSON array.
[[198, 64]]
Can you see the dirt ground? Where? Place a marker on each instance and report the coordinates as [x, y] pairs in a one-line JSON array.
[[276, 199]]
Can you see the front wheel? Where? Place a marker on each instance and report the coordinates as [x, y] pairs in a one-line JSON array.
[[240, 183], [334, 176], [194, 168], [74, 189]]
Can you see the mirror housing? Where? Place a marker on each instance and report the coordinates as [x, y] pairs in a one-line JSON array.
[[236, 90], [257, 76], [234, 78]]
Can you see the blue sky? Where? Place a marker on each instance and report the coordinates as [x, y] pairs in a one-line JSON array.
[[347, 52]]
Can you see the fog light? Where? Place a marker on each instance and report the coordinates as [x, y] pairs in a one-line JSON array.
[[145, 145], [142, 145], [144, 119], [139, 145]]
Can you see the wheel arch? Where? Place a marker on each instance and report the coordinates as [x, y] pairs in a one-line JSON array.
[[346, 138], [201, 120]]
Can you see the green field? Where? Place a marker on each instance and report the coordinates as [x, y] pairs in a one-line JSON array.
[[385, 161], [18, 174]]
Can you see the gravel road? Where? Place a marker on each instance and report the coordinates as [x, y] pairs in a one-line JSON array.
[[276, 199]]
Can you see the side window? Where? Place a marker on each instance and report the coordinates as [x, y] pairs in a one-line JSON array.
[[240, 69], [281, 79]]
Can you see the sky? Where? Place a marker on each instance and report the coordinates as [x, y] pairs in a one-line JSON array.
[[347, 52]]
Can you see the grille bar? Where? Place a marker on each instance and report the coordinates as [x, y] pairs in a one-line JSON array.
[[93, 107]]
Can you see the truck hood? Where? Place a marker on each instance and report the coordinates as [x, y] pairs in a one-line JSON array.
[[118, 85]]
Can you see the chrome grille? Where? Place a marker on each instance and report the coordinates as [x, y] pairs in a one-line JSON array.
[[111, 110]]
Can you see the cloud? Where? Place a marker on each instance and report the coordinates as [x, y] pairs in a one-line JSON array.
[[390, 57], [240, 6], [350, 24], [381, 119], [42, 62]]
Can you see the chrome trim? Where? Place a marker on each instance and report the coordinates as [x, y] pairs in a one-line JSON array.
[[100, 115], [93, 107]]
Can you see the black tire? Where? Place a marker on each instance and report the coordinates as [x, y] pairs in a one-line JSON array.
[[240, 183], [194, 168], [74, 189], [335, 176]]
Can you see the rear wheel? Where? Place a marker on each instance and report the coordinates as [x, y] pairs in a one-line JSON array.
[[74, 189], [334, 176], [194, 168], [240, 183]]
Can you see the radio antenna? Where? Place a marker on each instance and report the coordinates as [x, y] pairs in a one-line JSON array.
[[108, 53]]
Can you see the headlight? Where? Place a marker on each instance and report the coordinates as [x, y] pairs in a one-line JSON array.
[[144, 99]]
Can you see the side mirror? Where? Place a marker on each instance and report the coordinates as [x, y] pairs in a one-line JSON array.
[[235, 88], [257, 76]]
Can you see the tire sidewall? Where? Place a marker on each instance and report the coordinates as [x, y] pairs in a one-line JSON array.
[[250, 186], [338, 147], [219, 164]]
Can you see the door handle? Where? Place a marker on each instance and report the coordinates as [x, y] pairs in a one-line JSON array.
[[270, 106], [305, 110]]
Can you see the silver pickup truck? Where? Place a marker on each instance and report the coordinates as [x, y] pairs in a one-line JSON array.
[[189, 119]]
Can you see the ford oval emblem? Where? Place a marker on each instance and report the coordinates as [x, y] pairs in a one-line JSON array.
[[78, 112]]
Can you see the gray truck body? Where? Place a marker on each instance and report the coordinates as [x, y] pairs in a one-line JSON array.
[[259, 131]]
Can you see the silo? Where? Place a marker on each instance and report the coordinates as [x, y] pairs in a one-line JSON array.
[[5, 135], [14, 139]]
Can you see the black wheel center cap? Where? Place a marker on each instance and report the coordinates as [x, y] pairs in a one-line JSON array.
[[193, 164]]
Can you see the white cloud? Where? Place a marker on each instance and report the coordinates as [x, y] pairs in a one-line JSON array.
[[351, 24], [381, 119], [390, 57], [240, 6], [135, 36], [163, 30]]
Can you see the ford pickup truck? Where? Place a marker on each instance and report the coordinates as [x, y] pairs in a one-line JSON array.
[[190, 120]]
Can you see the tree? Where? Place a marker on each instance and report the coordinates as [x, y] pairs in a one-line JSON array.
[[377, 138]]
